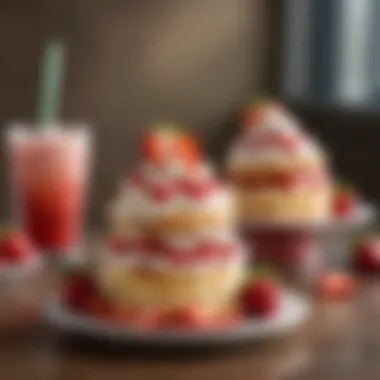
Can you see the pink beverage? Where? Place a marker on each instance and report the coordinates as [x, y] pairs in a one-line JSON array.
[[49, 170]]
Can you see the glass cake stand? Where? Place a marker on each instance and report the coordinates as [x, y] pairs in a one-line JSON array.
[[302, 250]]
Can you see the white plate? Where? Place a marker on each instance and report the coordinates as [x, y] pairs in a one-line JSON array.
[[14, 272], [365, 215], [293, 312]]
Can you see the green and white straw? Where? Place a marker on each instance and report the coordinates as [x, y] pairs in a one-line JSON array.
[[50, 87]]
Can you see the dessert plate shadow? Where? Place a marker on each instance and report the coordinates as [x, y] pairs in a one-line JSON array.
[[293, 312]]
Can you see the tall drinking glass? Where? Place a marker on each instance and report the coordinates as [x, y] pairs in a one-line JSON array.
[[49, 174]]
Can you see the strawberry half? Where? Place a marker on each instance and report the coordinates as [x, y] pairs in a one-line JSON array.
[[123, 244], [161, 193], [163, 145], [186, 317], [254, 113], [197, 188]]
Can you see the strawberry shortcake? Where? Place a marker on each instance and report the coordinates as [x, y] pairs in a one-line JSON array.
[[280, 173], [172, 244]]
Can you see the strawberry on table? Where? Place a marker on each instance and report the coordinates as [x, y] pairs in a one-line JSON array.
[[336, 286], [15, 247], [366, 255]]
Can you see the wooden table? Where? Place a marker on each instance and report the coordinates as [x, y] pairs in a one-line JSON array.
[[342, 341]]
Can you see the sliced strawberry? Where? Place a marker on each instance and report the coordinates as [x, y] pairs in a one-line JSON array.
[[161, 193], [154, 148], [197, 188], [148, 320], [206, 250], [187, 318], [187, 151], [226, 250], [180, 256], [152, 245], [123, 244]]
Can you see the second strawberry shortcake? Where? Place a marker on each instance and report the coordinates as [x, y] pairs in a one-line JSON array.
[[281, 174]]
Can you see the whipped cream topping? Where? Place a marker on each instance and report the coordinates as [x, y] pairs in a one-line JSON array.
[[277, 137], [135, 199]]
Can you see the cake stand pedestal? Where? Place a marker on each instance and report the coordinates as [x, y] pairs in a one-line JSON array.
[[302, 250]]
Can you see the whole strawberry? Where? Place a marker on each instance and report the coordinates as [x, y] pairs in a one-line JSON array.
[[261, 298], [15, 248], [344, 203], [78, 290], [366, 255]]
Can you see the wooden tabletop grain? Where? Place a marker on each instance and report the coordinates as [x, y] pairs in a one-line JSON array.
[[341, 341]]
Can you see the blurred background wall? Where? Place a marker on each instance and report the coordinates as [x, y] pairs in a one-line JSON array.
[[132, 63]]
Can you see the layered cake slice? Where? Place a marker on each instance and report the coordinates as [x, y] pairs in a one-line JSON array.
[[172, 243], [280, 173]]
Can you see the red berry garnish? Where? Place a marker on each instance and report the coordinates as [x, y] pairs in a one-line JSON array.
[[15, 247], [180, 256], [124, 244], [206, 250], [165, 144], [344, 204], [154, 148], [77, 290], [367, 255], [161, 193], [261, 298], [152, 245], [187, 318], [333, 286], [226, 250], [197, 188]]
